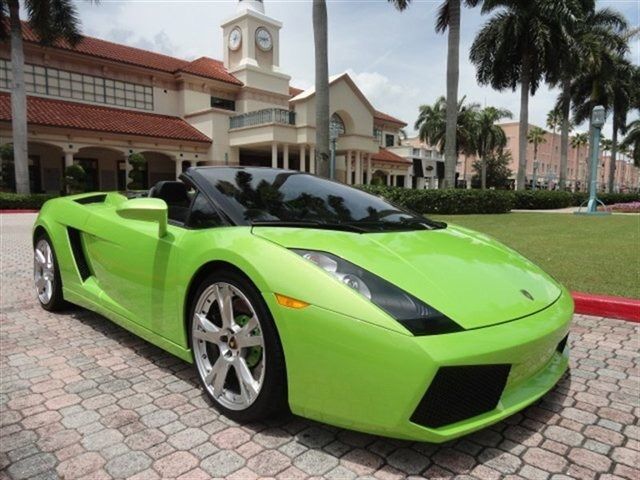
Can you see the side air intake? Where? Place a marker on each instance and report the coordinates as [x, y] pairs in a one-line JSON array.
[[459, 393], [78, 253]]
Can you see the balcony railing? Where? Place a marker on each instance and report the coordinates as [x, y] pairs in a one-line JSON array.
[[263, 117]]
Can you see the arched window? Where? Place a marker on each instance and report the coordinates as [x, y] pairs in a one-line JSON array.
[[336, 126]]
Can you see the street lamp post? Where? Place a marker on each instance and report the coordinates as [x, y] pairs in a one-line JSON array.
[[598, 117]]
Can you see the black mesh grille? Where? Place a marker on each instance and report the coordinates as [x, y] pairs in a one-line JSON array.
[[78, 253], [562, 344], [458, 393]]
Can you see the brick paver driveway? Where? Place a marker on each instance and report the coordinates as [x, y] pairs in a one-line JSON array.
[[82, 397]]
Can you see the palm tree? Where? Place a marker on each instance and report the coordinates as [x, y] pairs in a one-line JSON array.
[[51, 21], [432, 125], [578, 141], [584, 34], [320, 35], [536, 136], [632, 140], [489, 137], [449, 19], [554, 121], [513, 49]]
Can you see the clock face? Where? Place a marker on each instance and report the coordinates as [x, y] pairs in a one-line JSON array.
[[263, 39], [235, 38]]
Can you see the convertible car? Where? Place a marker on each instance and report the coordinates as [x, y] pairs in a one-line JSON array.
[[288, 291]]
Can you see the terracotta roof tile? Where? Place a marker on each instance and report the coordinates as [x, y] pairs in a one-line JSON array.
[[388, 118], [204, 67], [79, 116], [293, 91], [385, 155]]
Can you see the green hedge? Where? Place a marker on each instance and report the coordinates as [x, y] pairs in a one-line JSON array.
[[446, 201], [546, 200], [14, 201]]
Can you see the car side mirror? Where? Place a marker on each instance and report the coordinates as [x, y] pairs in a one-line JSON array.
[[146, 209]]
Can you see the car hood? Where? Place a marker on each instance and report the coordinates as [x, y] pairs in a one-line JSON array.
[[470, 277]]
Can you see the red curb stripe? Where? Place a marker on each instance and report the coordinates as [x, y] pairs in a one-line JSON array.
[[605, 306], [19, 211]]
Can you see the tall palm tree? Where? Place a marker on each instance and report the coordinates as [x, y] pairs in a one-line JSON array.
[[448, 19], [51, 21], [320, 35], [554, 122], [489, 137], [632, 140], [536, 136], [583, 33], [578, 141], [432, 125], [513, 49]]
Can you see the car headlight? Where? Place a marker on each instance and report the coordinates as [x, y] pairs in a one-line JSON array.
[[415, 315]]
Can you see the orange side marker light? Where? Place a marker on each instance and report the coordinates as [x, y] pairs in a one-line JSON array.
[[290, 302]]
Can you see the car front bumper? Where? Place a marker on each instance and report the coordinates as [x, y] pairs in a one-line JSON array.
[[346, 372]]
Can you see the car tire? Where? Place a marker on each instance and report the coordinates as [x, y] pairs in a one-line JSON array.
[[46, 275], [237, 352]]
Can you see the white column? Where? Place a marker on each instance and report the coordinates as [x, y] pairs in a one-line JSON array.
[[193, 163], [303, 153], [285, 156], [348, 162], [369, 169], [312, 159], [407, 180], [358, 167], [178, 167], [274, 155], [68, 159], [389, 179]]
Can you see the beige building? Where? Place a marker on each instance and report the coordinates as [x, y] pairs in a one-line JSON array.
[[97, 103], [547, 172], [428, 163]]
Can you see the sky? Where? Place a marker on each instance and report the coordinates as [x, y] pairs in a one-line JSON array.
[[396, 58]]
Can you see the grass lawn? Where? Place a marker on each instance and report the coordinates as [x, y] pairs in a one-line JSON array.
[[586, 254]]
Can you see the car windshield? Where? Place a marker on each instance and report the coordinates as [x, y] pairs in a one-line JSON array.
[[263, 196]]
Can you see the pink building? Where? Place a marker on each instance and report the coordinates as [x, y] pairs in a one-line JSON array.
[[548, 163]]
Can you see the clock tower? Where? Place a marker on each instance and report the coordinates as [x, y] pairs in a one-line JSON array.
[[251, 42]]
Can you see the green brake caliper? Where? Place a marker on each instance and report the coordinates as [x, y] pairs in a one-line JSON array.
[[254, 354]]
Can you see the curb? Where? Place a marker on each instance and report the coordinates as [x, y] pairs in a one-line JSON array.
[[9, 211], [604, 306]]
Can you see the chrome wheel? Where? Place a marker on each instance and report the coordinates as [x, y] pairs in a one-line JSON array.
[[43, 271], [228, 346]]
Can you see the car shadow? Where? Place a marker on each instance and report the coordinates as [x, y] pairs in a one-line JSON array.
[[497, 446]]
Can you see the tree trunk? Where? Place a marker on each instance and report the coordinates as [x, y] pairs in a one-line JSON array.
[[524, 125], [614, 152], [322, 87], [483, 173], [564, 132], [453, 73], [18, 101]]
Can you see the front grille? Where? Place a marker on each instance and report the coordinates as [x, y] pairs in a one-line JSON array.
[[563, 343], [458, 393]]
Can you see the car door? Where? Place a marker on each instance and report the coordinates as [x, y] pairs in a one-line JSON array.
[[134, 268]]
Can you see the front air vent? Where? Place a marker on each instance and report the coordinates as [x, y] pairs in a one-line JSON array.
[[78, 253], [459, 393], [563, 343]]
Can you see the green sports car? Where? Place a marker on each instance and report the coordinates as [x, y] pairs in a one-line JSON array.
[[288, 291]]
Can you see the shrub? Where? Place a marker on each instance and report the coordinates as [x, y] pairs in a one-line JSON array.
[[543, 199], [446, 201], [15, 201], [74, 178]]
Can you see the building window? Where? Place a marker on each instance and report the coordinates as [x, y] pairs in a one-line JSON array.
[[377, 133], [78, 86], [336, 126], [389, 140], [223, 103]]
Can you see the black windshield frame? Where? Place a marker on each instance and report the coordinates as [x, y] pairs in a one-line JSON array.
[[205, 177]]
